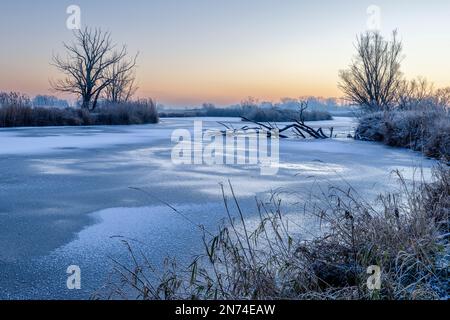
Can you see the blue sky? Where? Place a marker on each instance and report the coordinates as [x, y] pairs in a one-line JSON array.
[[193, 51]]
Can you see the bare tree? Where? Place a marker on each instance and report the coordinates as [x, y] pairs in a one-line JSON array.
[[14, 99], [374, 74], [122, 86], [87, 65], [412, 94], [441, 98]]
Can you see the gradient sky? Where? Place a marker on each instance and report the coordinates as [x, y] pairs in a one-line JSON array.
[[222, 51]]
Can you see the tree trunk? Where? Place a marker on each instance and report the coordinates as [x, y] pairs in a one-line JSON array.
[[94, 105]]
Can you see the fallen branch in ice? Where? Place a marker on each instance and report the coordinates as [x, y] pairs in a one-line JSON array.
[[298, 127]]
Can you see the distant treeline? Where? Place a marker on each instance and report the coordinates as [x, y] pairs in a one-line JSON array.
[[284, 111], [251, 113], [45, 101]]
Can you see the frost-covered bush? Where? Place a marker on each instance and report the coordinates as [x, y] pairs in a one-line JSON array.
[[427, 131]]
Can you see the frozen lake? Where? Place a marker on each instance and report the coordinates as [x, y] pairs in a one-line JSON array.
[[65, 196]]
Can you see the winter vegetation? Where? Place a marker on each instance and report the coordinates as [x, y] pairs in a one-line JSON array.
[[396, 111], [17, 110], [424, 131]]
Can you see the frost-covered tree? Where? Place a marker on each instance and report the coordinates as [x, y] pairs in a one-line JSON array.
[[123, 83], [374, 75], [441, 98], [49, 101], [413, 94]]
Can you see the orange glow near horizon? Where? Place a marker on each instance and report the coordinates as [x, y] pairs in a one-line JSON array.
[[195, 84]]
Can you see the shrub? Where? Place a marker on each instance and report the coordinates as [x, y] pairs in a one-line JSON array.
[[421, 130]]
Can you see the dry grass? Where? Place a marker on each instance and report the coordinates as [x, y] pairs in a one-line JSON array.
[[27, 116], [135, 112], [405, 233]]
